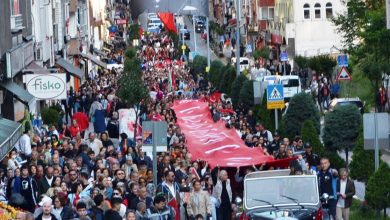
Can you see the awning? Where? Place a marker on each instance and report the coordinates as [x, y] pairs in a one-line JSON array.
[[70, 68], [94, 60], [35, 68], [19, 92], [99, 52], [10, 133]]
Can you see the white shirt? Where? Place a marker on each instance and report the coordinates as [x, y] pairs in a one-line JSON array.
[[171, 188], [341, 201], [25, 144], [49, 181], [95, 145]]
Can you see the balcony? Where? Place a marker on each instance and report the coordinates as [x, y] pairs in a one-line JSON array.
[[16, 23]]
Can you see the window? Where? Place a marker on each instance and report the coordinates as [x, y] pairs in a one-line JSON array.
[[267, 13], [15, 7], [306, 11], [264, 13], [329, 10], [317, 10]]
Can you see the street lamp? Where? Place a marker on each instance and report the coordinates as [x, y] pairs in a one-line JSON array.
[[191, 9]]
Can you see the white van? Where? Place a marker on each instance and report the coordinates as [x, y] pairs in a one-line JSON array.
[[291, 85], [244, 63]]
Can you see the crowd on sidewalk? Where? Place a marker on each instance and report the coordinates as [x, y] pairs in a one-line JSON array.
[[54, 173]]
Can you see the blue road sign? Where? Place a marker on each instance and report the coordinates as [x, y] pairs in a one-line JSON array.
[[342, 60], [283, 56], [275, 93]]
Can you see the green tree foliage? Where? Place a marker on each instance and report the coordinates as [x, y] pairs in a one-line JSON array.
[[236, 88], [377, 190], [199, 65], [301, 108], [49, 116], [261, 53], [342, 128], [264, 115], [301, 61], [309, 134], [322, 64], [132, 89], [246, 93], [216, 72], [362, 165], [134, 31], [229, 74]]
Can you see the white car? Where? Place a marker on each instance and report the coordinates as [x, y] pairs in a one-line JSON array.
[[155, 22], [291, 85], [244, 63], [152, 15]]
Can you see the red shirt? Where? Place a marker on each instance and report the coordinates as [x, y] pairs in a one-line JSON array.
[[74, 129]]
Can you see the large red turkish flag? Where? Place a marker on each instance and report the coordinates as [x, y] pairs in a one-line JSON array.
[[168, 21]]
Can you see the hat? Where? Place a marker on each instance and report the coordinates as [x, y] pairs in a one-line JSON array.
[[44, 200], [307, 145]]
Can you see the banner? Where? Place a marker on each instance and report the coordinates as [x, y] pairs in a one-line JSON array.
[[168, 21], [213, 142], [127, 119]]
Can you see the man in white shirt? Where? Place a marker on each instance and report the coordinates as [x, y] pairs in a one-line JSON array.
[[25, 146], [94, 144]]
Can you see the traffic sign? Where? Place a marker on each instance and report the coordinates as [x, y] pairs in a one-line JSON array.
[[342, 60], [343, 75], [275, 97], [284, 56]]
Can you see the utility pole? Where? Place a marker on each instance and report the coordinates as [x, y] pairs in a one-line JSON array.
[[238, 17], [208, 42]]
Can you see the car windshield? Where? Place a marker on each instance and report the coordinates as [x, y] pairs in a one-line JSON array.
[[277, 191], [357, 103]]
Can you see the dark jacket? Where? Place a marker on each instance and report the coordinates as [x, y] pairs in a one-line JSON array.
[[67, 213], [112, 215], [349, 192], [96, 213], [53, 217]]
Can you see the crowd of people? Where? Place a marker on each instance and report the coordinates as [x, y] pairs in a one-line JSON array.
[[56, 173]]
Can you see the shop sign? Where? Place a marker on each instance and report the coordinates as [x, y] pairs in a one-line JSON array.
[[46, 86]]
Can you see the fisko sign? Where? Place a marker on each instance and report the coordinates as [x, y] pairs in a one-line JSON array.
[[46, 86]]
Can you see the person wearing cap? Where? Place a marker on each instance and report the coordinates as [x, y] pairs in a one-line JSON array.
[[311, 158], [113, 213]]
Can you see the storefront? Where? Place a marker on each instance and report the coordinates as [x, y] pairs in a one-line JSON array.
[[9, 135], [78, 76]]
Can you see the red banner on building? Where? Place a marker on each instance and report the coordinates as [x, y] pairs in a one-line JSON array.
[[213, 142]]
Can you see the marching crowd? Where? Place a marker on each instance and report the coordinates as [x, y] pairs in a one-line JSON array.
[[56, 173]]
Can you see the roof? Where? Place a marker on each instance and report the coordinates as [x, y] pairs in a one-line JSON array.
[[270, 173], [70, 68], [10, 132], [346, 99], [94, 60], [20, 93]]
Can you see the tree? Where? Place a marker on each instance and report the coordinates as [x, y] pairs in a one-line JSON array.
[[264, 115], [261, 53], [342, 128], [246, 93], [199, 65], [49, 116], [323, 64], [229, 74], [301, 61], [134, 32], [216, 72], [377, 190], [362, 165], [301, 108], [236, 88], [309, 134]]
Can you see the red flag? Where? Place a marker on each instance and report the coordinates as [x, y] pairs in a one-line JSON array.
[[168, 21], [215, 97]]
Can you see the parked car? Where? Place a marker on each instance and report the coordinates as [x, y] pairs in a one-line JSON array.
[[291, 85], [199, 26], [184, 32], [277, 195], [244, 63], [347, 101]]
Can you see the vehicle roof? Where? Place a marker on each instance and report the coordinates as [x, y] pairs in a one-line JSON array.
[[154, 19], [289, 77], [346, 99], [268, 173]]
